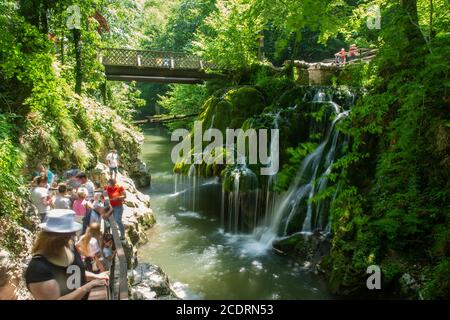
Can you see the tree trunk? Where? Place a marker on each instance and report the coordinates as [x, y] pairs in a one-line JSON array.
[[431, 20], [412, 22], [78, 71], [43, 9], [30, 9]]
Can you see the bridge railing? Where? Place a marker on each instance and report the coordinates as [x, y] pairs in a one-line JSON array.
[[153, 59], [118, 274], [364, 54], [118, 277]]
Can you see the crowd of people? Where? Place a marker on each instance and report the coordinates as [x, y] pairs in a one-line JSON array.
[[341, 56], [74, 247]]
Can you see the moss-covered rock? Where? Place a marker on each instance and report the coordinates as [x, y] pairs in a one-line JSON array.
[[294, 245]]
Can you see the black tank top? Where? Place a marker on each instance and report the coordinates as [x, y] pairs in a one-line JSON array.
[[69, 278]]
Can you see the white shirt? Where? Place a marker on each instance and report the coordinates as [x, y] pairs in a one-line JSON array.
[[90, 187], [93, 246], [62, 202], [113, 159], [36, 197]]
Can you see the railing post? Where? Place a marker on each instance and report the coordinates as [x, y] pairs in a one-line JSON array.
[[139, 60], [172, 63], [112, 291]]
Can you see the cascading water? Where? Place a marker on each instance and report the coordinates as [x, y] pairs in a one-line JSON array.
[[192, 175], [240, 203], [250, 204], [312, 178]]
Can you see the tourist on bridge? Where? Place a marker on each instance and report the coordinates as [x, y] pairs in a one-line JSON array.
[[112, 159], [56, 270], [341, 56], [117, 196], [40, 196], [352, 52]]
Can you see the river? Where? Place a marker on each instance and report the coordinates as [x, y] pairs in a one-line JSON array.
[[201, 260]]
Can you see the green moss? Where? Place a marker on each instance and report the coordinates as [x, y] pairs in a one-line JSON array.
[[294, 245], [437, 281], [245, 102]]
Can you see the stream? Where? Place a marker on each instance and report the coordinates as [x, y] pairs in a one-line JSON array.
[[200, 258]]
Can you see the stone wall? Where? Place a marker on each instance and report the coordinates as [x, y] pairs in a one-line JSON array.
[[319, 73]]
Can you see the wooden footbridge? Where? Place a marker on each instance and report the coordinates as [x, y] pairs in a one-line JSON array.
[[179, 67], [156, 66]]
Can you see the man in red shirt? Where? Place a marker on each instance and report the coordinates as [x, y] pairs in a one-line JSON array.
[[116, 196], [341, 56]]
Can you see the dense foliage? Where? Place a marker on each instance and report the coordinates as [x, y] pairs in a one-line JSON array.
[[42, 119], [398, 215], [392, 208]]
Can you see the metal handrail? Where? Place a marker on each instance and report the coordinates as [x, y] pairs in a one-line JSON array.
[[153, 59], [120, 293]]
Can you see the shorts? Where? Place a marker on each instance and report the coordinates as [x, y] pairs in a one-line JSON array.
[[113, 169]]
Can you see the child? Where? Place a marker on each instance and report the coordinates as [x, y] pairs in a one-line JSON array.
[[61, 199], [99, 198], [89, 247], [81, 205], [107, 250]]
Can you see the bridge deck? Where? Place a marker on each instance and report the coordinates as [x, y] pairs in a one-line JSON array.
[[155, 66]]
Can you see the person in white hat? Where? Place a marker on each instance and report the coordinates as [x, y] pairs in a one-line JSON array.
[[56, 270]]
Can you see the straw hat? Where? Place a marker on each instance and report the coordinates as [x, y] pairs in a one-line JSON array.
[[60, 221]]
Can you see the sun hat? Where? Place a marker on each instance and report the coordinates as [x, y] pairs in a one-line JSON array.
[[60, 221]]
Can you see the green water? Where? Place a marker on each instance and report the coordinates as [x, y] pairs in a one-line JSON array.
[[200, 259]]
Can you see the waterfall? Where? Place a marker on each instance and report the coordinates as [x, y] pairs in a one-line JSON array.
[[222, 208], [192, 174], [235, 195], [249, 202], [320, 96], [240, 202], [177, 178], [312, 178]]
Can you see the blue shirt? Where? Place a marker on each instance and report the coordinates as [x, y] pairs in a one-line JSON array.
[[50, 175]]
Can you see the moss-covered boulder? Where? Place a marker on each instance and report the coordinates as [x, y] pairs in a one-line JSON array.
[[294, 245]]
